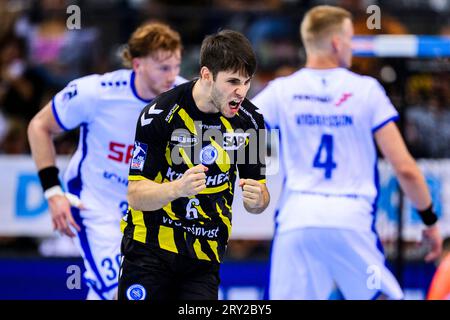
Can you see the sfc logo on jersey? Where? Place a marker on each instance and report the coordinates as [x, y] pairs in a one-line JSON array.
[[208, 154], [139, 155], [136, 292]]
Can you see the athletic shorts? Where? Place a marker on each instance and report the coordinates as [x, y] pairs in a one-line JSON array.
[[150, 273], [99, 245], [307, 263]]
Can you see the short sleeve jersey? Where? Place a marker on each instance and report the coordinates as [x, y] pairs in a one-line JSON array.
[[173, 135]]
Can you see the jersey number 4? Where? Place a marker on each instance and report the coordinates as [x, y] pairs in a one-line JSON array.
[[325, 162]]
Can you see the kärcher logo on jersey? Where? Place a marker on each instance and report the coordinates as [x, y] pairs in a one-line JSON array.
[[211, 181]]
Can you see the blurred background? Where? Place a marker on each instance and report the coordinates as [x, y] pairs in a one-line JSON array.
[[39, 55]]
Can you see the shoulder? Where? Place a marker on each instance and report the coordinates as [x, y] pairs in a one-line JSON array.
[[115, 80], [164, 104], [250, 114], [284, 81], [360, 79], [96, 83]]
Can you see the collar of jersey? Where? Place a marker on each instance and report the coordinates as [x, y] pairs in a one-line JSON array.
[[133, 89]]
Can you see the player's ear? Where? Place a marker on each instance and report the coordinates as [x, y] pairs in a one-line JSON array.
[[136, 62], [335, 43], [206, 74]]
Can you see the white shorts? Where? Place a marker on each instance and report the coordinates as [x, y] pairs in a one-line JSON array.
[[99, 245], [307, 263]]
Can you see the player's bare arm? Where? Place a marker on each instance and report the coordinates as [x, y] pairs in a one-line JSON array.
[[147, 195], [41, 130], [255, 195], [411, 180]]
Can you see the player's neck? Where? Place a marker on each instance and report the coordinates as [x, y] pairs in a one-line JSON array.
[[201, 96], [321, 62], [143, 91]]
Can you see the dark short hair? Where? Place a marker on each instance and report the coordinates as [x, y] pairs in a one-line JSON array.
[[228, 50]]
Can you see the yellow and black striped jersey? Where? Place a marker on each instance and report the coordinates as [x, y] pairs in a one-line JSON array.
[[172, 135]]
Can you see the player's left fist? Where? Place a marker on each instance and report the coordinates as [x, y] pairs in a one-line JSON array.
[[252, 193]]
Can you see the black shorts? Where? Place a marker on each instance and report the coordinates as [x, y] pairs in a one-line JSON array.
[[156, 274]]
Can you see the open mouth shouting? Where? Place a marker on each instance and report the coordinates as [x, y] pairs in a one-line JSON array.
[[234, 105]]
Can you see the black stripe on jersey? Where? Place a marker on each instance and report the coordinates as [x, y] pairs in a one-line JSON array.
[[129, 229], [152, 228], [190, 244], [207, 249], [178, 235]]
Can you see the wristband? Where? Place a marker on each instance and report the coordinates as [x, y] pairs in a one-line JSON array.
[[49, 177], [53, 191], [428, 216]]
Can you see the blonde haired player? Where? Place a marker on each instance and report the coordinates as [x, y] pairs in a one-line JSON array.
[[106, 108], [331, 118]]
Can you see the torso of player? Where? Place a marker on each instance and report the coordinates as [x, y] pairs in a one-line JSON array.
[[329, 119], [197, 226], [110, 145]]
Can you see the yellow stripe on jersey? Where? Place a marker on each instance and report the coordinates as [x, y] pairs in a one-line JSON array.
[[166, 239], [262, 181], [186, 158], [215, 189], [213, 245], [136, 178], [168, 209], [226, 203], [225, 220], [223, 159], [198, 251], [123, 225], [140, 230], [226, 124], [188, 121], [158, 178], [173, 112], [168, 157]]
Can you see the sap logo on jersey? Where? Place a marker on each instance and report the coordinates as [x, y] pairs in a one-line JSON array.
[[139, 155], [233, 141]]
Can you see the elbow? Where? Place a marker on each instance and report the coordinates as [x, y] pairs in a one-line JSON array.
[[131, 197], [407, 171], [132, 201], [32, 128]]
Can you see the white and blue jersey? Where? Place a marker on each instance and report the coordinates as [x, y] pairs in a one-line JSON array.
[[327, 118], [106, 108], [325, 232]]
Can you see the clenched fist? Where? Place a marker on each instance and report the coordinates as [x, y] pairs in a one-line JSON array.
[[193, 181]]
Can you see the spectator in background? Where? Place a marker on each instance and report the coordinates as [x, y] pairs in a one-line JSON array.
[[20, 87], [57, 53], [389, 25], [427, 123], [15, 139]]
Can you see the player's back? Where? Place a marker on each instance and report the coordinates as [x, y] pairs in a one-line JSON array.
[[327, 119]]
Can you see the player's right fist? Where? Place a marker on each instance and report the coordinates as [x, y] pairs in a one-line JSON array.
[[193, 181]]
